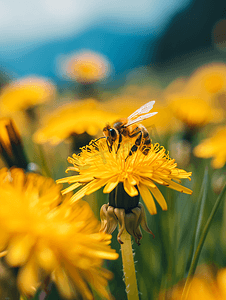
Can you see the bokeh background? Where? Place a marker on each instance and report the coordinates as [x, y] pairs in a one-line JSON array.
[[35, 34], [171, 51]]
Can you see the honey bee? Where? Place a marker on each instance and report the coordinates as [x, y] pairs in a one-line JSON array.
[[128, 128]]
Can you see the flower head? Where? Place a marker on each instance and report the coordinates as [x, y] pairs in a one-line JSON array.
[[204, 285], [215, 147], [191, 104], [210, 79], [46, 237], [75, 118], [25, 93], [193, 111], [139, 173], [86, 67]]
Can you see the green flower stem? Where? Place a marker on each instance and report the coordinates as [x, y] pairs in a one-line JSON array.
[[128, 267], [43, 161], [200, 245]]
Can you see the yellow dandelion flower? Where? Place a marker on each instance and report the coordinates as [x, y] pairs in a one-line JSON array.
[[193, 111], [86, 67], [215, 147], [165, 121], [139, 173], [25, 93], [73, 119], [11, 146], [48, 238], [203, 286], [210, 79]]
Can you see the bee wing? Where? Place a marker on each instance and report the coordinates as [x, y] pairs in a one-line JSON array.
[[141, 114], [142, 110], [140, 118]]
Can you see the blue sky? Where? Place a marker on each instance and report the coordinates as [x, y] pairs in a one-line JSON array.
[[30, 20], [34, 34]]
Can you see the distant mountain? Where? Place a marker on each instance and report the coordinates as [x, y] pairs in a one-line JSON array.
[[191, 30], [125, 51]]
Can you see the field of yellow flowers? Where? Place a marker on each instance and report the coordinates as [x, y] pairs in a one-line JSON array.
[[140, 212]]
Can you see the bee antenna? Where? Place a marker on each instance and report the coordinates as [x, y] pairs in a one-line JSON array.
[[102, 137], [94, 141]]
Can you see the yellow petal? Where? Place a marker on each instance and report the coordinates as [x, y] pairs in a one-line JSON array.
[[130, 189], [76, 178], [175, 186], [98, 280], [28, 278], [132, 180], [113, 182], [159, 197], [19, 249], [89, 188], [148, 182], [3, 253], [80, 283], [71, 188], [62, 282], [159, 180], [80, 178], [96, 185], [78, 195], [219, 161], [147, 198], [46, 258]]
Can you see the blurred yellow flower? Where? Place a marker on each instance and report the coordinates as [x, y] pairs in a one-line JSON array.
[[97, 167], [11, 146], [192, 110], [86, 67], [215, 147], [203, 286], [74, 118], [164, 122], [189, 100], [25, 93], [210, 78], [46, 237]]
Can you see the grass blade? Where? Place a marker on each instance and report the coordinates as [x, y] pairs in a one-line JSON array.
[[200, 244], [201, 201]]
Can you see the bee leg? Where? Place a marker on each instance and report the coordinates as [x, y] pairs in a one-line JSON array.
[[145, 142], [136, 145], [139, 139], [132, 150], [134, 133], [119, 143], [109, 144]]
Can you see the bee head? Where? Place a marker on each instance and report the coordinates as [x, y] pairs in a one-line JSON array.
[[110, 132], [106, 130]]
